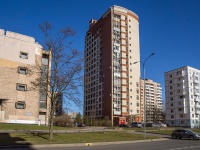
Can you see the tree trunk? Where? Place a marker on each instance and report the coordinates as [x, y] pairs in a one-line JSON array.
[[51, 126]]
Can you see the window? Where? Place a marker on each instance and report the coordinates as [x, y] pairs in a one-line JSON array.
[[20, 105], [179, 84], [172, 116], [182, 121], [21, 87], [24, 55], [22, 70], [180, 109], [178, 72], [45, 59], [170, 81], [137, 91], [172, 110], [137, 85]]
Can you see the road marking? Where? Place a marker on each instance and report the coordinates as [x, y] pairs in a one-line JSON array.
[[88, 144], [190, 147]]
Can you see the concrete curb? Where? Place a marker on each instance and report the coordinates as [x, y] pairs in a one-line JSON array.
[[96, 144]]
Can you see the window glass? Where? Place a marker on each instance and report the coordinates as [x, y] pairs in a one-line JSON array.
[[20, 105], [21, 87], [22, 70], [23, 55]]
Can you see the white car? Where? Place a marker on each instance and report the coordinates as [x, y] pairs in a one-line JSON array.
[[163, 125]]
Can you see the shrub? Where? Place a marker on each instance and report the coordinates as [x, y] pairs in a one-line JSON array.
[[63, 121]]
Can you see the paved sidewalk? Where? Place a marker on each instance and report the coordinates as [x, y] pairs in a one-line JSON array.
[[75, 130]]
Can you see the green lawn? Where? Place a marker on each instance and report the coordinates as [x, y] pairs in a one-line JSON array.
[[41, 138], [28, 138]]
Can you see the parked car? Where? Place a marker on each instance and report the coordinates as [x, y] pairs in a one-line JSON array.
[[183, 133], [153, 125], [136, 124], [158, 125], [123, 125], [149, 125], [81, 125], [168, 125], [163, 125]]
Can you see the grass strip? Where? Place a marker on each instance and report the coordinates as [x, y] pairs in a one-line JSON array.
[[28, 138]]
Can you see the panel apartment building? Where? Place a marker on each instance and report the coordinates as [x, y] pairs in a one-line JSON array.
[[111, 79], [18, 103], [153, 99], [182, 91]]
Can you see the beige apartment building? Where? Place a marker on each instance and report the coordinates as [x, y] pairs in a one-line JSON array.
[[18, 102], [153, 99], [111, 89]]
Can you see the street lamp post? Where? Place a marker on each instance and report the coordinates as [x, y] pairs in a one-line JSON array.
[[144, 112]]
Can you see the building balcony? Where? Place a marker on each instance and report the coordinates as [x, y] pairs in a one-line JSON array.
[[196, 99], [179, 81], [117, 106], [182, 112], [196, 87], [196, 92], [180, 74], [116, 50], [197, 105], [117, 112], [197, 111], [117, 74]]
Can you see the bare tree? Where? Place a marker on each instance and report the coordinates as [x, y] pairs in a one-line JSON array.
[[157, 115], [65, 74]]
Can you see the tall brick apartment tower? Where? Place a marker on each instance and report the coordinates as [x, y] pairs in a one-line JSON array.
[[111, 88], [18, 103]]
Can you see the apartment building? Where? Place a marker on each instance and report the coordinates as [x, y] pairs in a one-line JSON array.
[[182, 92], [111, 88], [18, 102], [59, 105], [153, 99]]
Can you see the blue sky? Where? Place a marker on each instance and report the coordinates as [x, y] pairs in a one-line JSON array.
[[170, 28]]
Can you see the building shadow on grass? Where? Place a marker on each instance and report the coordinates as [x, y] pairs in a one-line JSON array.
[[8, 142], [41, 135]]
